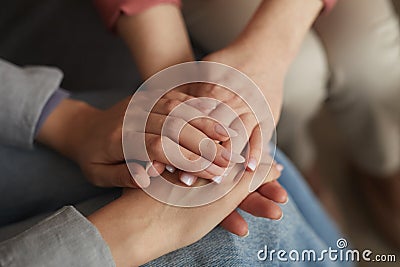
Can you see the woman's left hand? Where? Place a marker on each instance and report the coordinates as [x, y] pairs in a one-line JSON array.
[[264, 201]]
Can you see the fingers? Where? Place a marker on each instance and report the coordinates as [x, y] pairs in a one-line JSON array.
[[155, 168], [164, 150], [205, 105], [254, 149], [193, 116], [260, 206], [243, 125], [119, 175], [235, 224], [273, 191], [192, 139]]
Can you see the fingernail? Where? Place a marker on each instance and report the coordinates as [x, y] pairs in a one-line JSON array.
[[217, 179], [170, 168], [187, 179], [235, 158], [227, 132], [246, 235], [280, 218], [148, 165], [279, 167], [150, 170], [252, 164], [286, 201], [232, 132], [141, 181]]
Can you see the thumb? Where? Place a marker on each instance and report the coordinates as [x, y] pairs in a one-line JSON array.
[[119, 175]]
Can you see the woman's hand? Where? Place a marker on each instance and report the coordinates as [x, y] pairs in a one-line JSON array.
[[93, 138], [138, 228], [90, 137]]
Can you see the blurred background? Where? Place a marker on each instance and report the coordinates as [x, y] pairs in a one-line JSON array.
[[335, 171]]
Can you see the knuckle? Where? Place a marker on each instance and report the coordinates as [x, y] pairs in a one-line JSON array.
[[154, 144], [154, 120], [170, 104], [173, 126], [186, 97], [192, 157]]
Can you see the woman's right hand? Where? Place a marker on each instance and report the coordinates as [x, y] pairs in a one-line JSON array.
[[139, 229], [174, 138], [93, 138]]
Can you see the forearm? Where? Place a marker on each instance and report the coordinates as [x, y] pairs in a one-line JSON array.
[[269, 43], [277, 29], [134, 233], [156, 37], [62, 130]]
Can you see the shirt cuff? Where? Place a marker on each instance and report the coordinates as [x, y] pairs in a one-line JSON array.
[[50, 105], [110, 10], [66, 238]]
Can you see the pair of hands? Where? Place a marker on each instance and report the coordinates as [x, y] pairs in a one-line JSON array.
[[101, 157], [93, 138], [139, 228]]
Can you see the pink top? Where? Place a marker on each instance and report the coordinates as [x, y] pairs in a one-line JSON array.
[[111, 9]]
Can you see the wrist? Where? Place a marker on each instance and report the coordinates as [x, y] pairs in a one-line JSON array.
[[156, 37], [277, 29], [138, 237], [65, 128]]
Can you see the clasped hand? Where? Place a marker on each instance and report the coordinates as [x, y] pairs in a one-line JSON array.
[[101, 155]]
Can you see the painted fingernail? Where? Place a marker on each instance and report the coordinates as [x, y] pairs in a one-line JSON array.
[[235, 158], [217, 179], [170, 168], [232, 132], [252, 164], [227, 132], [148, 165], [279, 167], [187, 179]]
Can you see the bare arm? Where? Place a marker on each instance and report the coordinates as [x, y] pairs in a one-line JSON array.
[[156, 37], [269, 43]]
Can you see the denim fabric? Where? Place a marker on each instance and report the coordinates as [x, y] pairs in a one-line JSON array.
[[33, 184], [48, 182], [304, 226]]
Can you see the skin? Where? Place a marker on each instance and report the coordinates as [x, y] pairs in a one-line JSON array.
[[135, 226]]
